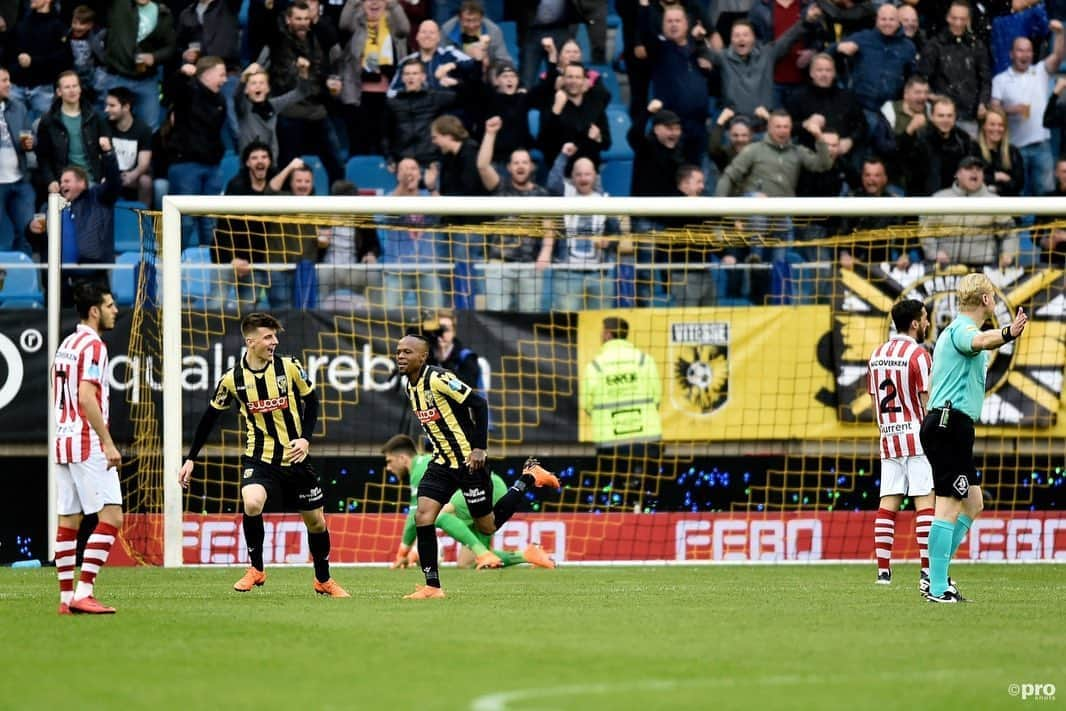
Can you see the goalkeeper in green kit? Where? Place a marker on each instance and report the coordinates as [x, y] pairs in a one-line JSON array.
[[402, 458]]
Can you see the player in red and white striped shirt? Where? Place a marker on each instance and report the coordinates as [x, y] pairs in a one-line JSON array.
[[87, 460], [898, 380]]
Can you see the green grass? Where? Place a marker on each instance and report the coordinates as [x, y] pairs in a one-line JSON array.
[[813, 637]]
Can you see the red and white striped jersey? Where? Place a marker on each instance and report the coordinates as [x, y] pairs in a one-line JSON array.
[[898, 372], [82, 357]]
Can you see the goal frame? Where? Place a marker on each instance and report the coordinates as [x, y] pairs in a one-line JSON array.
[[175, 207]]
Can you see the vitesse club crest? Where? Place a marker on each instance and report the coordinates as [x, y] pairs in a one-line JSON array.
[[1024, 378], [283, 386], [699, 360]]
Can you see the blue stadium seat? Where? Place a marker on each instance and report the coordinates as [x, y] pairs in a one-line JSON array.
[[609, 80], [493, 9], [198, 280], [534, 123], [510, 39], [124, 279], [228, 168], [616, 177], [321, 177], [583, 42], [619, 121], [370, 172], [128, 226], [21, 288]]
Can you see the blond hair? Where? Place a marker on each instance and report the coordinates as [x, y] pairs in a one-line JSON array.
[[972, 287]]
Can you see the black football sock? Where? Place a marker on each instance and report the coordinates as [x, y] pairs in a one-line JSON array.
[[253, 538], [427, 553], [319, 545], [507, 505]]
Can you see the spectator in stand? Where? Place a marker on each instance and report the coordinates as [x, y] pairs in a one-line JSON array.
[[409, 251], [931, 159], [831, 107], [910, 24], [349, 255], [132, 140], [82, 38], [140, 39], [658, 157], [294, 246], [1022, 91], [470, 27], [87, 220], [593, 14], [911, 113], [770, 19], [1055, 112], [537, 20], [211, 28], [542, 94], [873, 184], [161, 151], [747, 68], [257, 111], [974, 240], [883, 59], [69, 134], [38, 52], [680, 69], [458, 175], [16, 193], [409, 114], [196, 140], [446, 67], [1004, 165], [511, 104], [509, 283], [244, 243], [368, 63], [850, 16], [956, 64], [575, 117], [1052, 240], [303, 127], [582, 275], [690, 282], [739, 132], [771, 167]]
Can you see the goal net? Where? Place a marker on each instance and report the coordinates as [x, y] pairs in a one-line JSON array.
[[758, 317]]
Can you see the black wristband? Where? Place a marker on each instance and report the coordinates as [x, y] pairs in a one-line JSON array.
[[1007, 335]]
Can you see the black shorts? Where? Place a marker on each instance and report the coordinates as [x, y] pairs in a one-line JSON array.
[[950, 452], [296, 486], [440, 482]]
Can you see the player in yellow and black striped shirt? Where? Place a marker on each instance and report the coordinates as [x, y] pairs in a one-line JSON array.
[[455, 418], [280, 409]]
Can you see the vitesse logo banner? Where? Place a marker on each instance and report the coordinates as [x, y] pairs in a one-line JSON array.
[[727, 373], [1024, 379]]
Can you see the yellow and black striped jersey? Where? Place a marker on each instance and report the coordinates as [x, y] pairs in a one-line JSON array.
[[271, 400], [437, 398]]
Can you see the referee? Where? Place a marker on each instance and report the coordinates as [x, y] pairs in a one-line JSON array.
[[958, 389]]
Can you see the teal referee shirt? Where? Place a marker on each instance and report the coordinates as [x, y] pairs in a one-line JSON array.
[[959, 370]]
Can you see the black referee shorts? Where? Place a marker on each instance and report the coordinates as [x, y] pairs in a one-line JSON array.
[[296, 486], [948, 443], [440, 482]]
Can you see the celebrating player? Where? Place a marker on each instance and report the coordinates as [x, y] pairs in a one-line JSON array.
[[959, 366], [402, 459], [280, 410], [86, 457], [454, 419], [898, 380]]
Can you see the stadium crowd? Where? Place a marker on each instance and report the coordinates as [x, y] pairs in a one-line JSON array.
[[134, 99]]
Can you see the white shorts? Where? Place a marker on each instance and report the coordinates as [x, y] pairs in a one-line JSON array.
[[912, 476], [86, 487]]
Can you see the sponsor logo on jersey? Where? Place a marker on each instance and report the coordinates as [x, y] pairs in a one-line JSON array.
[[92, 372], [268, 405], [456, 385], [430, 415]]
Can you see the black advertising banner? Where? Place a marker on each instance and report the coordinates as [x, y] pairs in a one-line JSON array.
[[527, 370]]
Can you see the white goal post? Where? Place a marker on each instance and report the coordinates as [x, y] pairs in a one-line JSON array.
[[174, 207]]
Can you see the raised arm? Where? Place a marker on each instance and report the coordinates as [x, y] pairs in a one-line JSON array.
[[489, 177]]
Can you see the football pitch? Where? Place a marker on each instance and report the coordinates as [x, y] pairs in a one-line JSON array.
[[808, 637]]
